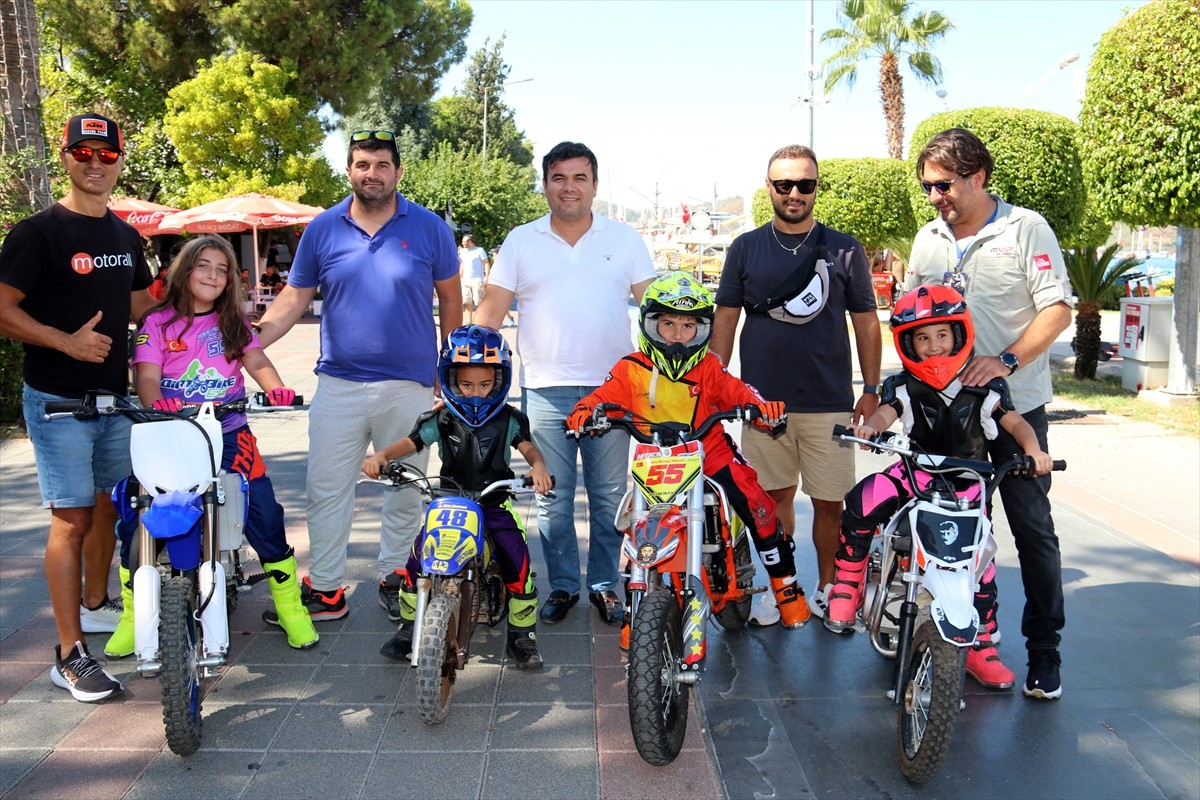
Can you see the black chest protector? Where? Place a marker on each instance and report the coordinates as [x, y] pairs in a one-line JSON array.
[[476, 457], [948, 430]]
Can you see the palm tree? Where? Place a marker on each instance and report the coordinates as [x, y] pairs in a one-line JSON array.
[[1092, 275], [880, 28]]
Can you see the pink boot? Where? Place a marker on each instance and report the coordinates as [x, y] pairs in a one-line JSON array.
[[846, 595], [983, 664]]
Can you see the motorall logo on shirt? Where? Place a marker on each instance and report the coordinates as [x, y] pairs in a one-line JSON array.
[[84, 263]]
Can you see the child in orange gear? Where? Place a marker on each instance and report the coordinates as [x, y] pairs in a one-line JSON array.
[[673, 378]]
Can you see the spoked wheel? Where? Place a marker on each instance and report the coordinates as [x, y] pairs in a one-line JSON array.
[[178, 651], [932, 689], [658, 703], [735, 614], [437, 658]]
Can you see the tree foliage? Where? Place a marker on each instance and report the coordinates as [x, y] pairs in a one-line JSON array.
[[1140, 121], [883, 29], [1037, 162], [761, 208], [867, 198], [336, 49], [491, 201], [459, 118], [237, 129]]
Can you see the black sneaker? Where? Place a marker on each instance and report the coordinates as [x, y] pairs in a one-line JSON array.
[[399, 647], [1044, 681], [82, 676], [389, 595], [522, 646], [321, 605]]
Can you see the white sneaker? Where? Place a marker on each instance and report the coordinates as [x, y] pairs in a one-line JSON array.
[[103, 619], [763, 610], [818, 602]]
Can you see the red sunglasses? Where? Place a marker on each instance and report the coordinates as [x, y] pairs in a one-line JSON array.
[[83, 154]]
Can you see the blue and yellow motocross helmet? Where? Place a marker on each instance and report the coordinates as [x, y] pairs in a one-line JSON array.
[[476, 346]]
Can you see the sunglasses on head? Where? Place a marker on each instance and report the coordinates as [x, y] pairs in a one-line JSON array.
[[941, 186], [83, 154], [379, 136], [805, 185]]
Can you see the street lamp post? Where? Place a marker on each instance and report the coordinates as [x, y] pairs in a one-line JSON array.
[[486, 92], [1064, 62]]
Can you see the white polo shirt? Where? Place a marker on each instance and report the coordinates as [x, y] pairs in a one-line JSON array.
[[1014, 268], [573, 301]]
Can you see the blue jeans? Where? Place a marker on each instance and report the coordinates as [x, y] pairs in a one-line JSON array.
[[605, 465], [75, 460], [1027, 507]]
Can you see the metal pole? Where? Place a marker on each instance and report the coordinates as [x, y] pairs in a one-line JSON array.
[[811, 69], [486, 92]]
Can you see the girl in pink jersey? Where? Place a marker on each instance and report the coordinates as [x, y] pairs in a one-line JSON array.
[[191, 348]]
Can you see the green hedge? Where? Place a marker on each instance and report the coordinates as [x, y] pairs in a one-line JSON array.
[[1037, 161], [864, 197]]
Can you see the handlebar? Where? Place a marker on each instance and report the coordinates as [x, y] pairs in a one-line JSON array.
[[398, 474], [890, 442], [97, 403], [660, 433]]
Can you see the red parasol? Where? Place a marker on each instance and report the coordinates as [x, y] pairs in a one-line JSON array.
[[141, 214], [246, 212]]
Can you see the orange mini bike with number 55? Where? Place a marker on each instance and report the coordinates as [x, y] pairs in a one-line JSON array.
[[689, 557]]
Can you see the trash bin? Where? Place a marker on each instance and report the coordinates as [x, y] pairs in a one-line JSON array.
[[1146, 324]]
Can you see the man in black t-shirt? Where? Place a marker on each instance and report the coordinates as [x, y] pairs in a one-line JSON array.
[[72, 277], [797, 279]]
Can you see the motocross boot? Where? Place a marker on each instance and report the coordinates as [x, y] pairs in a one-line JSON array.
[[793, 608], [120, 644], [983, 664], [846, 595], [987, 605], [522, 646], [289, 610], [399, 647]]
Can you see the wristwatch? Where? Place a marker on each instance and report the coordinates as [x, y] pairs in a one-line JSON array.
[[870, 388], [1010, 361]]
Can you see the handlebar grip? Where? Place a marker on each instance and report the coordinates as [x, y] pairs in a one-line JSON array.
[[840, 430], [1059, 465], [261, 399], [60, 406]]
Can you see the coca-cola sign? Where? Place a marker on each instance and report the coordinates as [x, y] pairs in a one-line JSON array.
[[147, 218]]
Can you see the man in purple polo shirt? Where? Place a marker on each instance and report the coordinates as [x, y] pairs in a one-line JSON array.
[[378, 259]]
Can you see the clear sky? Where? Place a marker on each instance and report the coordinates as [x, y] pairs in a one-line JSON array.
[[688, 94]]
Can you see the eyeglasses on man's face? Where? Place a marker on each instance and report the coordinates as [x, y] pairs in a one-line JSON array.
[[83, 154], [942, 186]]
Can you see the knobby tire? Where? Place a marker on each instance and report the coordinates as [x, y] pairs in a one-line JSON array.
[[178, 650], [932, 690], [437, 658], [658, 704]]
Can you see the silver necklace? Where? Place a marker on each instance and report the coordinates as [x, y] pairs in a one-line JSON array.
[[792, 250]]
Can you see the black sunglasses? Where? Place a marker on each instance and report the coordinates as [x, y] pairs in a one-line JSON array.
[[784, 187], [380, 136], [941, 186]]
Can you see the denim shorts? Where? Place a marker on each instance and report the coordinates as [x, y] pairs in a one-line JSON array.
[[75, 460]]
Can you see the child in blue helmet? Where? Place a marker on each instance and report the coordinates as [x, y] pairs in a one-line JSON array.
[[476, 431]]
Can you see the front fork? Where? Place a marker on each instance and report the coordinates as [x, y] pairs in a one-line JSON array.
[[212, 616]]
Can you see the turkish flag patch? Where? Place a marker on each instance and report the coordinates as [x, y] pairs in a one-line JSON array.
[[1042, 262]]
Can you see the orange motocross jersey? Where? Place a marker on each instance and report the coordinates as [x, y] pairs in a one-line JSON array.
[[705, 389]]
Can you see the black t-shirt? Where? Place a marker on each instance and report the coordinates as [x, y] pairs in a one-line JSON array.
[[807, 366], [70, 266]]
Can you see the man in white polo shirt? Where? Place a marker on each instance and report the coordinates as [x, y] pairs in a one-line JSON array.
[[572, 273]]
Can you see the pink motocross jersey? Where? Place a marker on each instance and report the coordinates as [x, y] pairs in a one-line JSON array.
[[193, 362]]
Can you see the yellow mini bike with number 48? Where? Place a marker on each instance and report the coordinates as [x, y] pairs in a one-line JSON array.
[[689, 556], [458, 584]]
